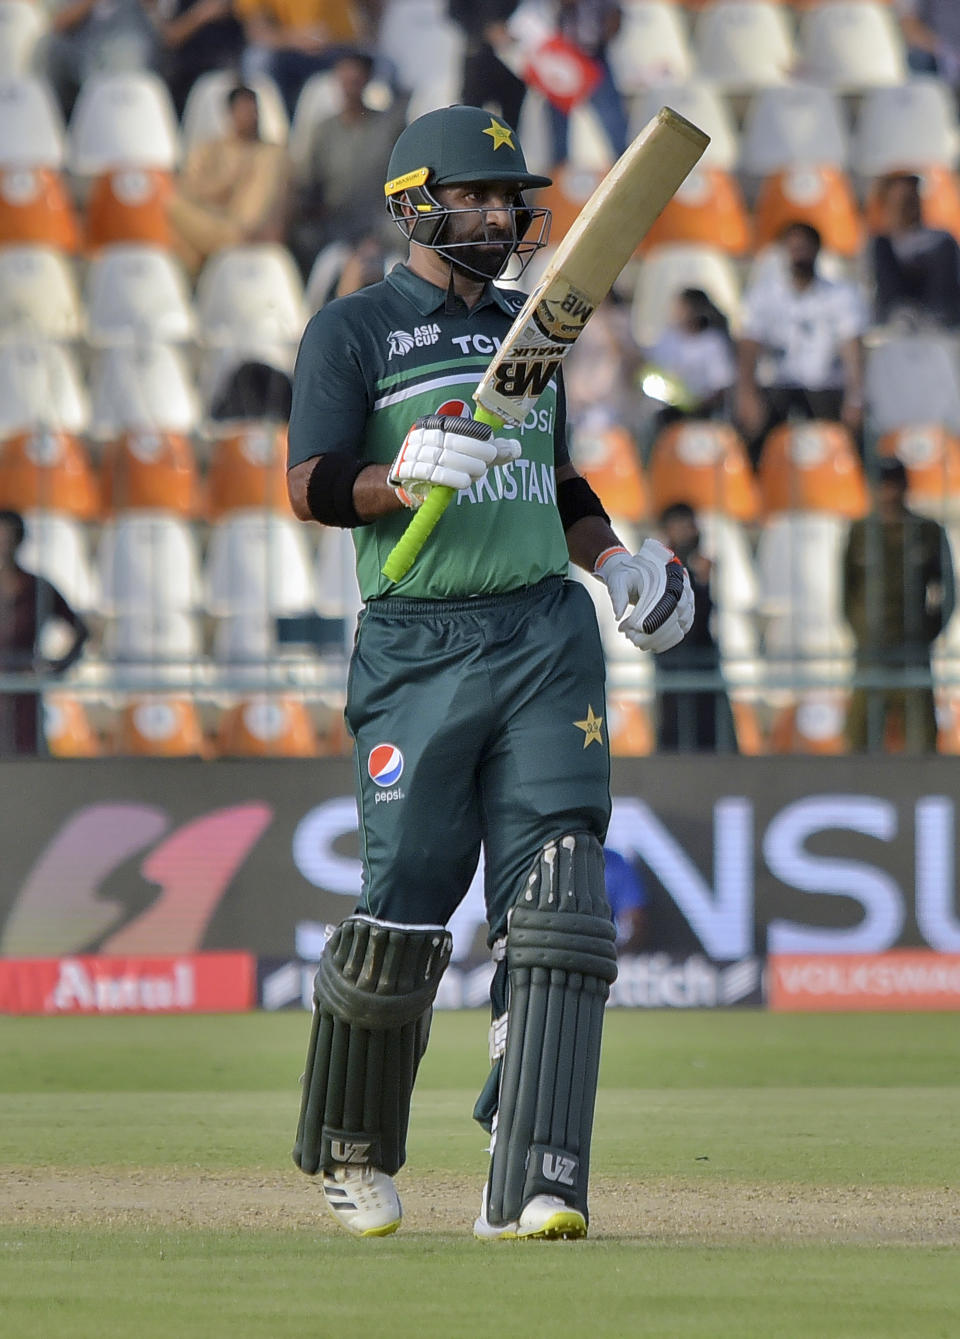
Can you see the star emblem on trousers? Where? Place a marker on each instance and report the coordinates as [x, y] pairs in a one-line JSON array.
[[591, 728]]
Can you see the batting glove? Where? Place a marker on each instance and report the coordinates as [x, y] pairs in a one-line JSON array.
[[656, 583], [440, 449]]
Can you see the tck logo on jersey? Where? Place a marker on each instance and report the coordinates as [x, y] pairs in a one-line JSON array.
[[385, 765], [402, 341]]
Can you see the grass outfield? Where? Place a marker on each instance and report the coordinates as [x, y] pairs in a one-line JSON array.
[[754, 1174]]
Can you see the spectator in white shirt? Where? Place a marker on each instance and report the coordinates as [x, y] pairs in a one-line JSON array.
[[694, 358], [799, 354]]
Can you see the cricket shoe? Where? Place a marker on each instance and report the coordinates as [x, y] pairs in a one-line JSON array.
[[363, 1200], [544, 1218]]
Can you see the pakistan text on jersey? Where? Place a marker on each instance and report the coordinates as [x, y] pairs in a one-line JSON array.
[[524, 480]]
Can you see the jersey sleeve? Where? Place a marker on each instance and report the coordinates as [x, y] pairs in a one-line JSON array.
[[561, 449], [331, 400]]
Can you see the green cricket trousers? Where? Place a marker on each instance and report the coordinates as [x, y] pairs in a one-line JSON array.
[[474, 720]]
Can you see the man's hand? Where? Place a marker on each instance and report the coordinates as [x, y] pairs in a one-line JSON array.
[[455, 452], [656, 583]]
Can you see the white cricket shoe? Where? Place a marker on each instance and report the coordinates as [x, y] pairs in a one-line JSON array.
[[544, 1218], [363, 1200]]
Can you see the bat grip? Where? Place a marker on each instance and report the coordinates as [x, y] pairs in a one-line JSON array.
[[404, 553]]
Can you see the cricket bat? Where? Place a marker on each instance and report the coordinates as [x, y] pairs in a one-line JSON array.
[[604, 236]]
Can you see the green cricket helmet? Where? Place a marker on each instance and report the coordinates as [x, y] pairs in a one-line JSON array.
[[454, 146]]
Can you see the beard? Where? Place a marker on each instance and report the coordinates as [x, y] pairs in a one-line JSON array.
[[480, 256]]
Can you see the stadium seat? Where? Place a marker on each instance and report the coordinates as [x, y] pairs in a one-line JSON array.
[[939, 197], [741, 45], [669, 269], [149, 560], [205, 111], [259, 560], [913, 125], [122, 120], [129, 205], [797, 125], [150, 470], [733, 581], [913, 379], [48, 470], [31, 126], [67, 728], [36, 209], [56, 548], [160, 727], [40, 387], [571, 189], [629, 726], [700, 103], [146, 386], [851, 46], [811, 466], [251, 292], [335, 576], [650, 45], [607, 456], [812, 723], [248, 469], [277, 726], [931, 455], [799, 561], [38, 295], [820, 196], [136, 294], [418, 40], [327, 266], [163, 639], [707, 210], [22, 24], [705, 464], [246, 640]]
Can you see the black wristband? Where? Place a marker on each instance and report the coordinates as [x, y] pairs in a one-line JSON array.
[[576, 499], [330, 490]]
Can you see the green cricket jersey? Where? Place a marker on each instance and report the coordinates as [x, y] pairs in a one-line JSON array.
[[369, 365]]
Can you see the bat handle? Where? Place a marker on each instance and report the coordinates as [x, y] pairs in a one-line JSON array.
[[404, 553]]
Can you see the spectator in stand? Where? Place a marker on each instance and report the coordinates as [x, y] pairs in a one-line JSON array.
[[339, 186], [590, 25], [232, 190], [800, 352], [931, 30], [694, 360], [914, 270], [290, 40], [27, 604], [898, 595], [628, 901], [90, 36], [198, 36], [486, 80], [692, 720]]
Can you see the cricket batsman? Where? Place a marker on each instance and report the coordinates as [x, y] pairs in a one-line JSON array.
[[475, 699]]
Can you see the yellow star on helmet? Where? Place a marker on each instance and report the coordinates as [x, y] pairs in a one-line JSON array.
[[591, 728], [500, 134]]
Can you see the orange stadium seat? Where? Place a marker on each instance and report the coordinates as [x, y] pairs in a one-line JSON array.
[[811, 467], [160, 727], [813, 724], [267, 727], [607, 458], [707, 209], [948, 720], [48, 470], [706, 465], [630, 728], [747, 728], [940, 196], [150, 469], [931, 454], [35, 206], [821, 196], [129, 205], [67, 728], [573, 184], [248, 468]]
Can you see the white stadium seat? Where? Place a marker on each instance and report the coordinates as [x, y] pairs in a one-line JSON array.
[[142, 386], [149, 560], [40, 387], [914, 379], [151, 635], [122, 120], [851, 45], [338, 595], [799, 562], [136, 294], [743, 44], [700, 103], [56, 548], [666, 271], [913, 125], [205, 114], [258, 560], [249, 293], [38, 295], [790, 126], [22, 24], [31, 126], [650, 46]]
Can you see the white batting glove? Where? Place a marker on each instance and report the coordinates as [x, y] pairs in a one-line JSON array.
[[440, 449], [656, 583]]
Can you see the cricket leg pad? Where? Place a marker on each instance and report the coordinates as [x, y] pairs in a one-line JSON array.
[[373, 1000], [561, 959]]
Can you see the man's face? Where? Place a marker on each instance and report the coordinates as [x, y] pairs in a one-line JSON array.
[[681, 534], [244, 117], [801, 252], [8, 542], [352, 76], [486, 229]]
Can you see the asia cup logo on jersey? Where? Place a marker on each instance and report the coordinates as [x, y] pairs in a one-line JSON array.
[[385, 765]]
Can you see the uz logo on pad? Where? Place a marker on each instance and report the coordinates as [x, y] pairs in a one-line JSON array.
[[385, 764], [342, 1151], [558, 1168]]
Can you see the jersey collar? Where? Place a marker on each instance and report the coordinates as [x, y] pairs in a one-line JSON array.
[[427, 297]]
